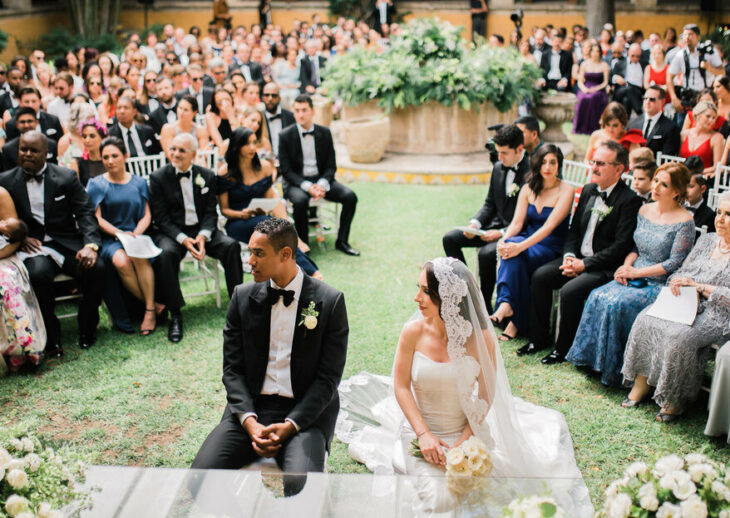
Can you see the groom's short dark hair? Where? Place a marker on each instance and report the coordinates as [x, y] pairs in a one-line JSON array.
[[510, 136], [280, 233]]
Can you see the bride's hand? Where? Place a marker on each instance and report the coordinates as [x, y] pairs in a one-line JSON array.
[[464, 436], [431, 448]]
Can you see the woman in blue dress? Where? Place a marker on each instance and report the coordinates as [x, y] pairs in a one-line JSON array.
[[121, 202], [534, 237], [241, 179], [664, 235]]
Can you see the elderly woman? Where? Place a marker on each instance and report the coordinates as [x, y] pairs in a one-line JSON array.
[[71, 145], [671, 357]]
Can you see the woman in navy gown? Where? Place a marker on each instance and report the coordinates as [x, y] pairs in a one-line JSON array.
[[535, 237], [592, 99], [664, 235], [243, 178]]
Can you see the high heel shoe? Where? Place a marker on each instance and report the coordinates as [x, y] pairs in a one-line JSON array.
[[147, 332], [501, 323]]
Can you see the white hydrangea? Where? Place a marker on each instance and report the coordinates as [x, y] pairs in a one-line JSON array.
[[669, 510], [44, 510], [15, 464], [697, 471], [27, 444], [15, 505], [17, 478], [685, 487], [33, 462], [647, 497], [695, 458], [693, 507], [16, 444], [718, 488], [5, 457], [637, 468], [619, 506], [667, 465]]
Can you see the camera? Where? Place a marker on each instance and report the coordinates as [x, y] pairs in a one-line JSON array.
[[516, 18], [490, 146], [705, 48], [688, 98]]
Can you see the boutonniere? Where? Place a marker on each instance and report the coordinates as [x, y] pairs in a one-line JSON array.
[[602, 212], [513, 190], [309, 316], [200, 181]]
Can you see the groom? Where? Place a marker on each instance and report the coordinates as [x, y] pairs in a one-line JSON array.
[[284, 348]]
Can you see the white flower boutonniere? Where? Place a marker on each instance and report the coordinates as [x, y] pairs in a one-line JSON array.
[[200, 181], [602, 212], [513, 190], [309, 316]]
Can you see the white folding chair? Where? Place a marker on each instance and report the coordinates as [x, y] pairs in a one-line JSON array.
[[326, 220], [662, 159], [208, 158], [722, 183], [144, 166], [208, 271], [576, 173], [628, 179], [59, 279]]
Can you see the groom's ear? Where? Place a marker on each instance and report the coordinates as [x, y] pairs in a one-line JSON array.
[[285, 254]]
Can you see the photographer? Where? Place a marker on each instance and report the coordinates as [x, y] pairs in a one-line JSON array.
[[698, 64]]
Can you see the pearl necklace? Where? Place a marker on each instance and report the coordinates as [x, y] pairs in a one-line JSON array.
[[722, 247]]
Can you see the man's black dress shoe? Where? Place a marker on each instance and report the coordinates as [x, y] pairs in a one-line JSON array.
[[175, 331], [553, 357], [530, 348], [53, 351], [342, 246], [86, 341]]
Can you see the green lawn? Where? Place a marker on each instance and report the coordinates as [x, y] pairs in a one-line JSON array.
[[145, 401]]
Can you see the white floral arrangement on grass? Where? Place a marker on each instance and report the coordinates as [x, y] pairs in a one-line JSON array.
[[533, 507], [690, 487], [36, 481]]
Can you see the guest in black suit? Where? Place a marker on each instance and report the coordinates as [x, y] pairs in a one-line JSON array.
[[286, 410], [9, 97], [508, 176], [276, 117], [600, 237], [695, 203], [556, 64], [139, 139], [307, 164], [59, 215], [310, 66], [25, 121], [627, 76], [642, 172], [183, 203], [167, 110], [383, 13], [250, 69], [203, 94], [50, 126], [660, 132]]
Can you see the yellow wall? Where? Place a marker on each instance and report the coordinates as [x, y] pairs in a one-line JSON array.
[[23, 29], [134, 18]]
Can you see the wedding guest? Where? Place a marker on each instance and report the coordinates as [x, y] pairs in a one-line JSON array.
[[702, 139], [61, 222], [139, 139], [671, 357], [183, 202], [599, 238], [89, 165], [508, 176], [287, 74], [530, 127], [655, 74], [721, 87], [721, 124], [628, 79], [660, 132], [307, 165], [704, 216], [526, 51], [187, 109], [253, 120], [108, 67], [70, 145], [107, 109], [592, 97], [311, 66], [44, 74], [277, 118], [94, 88], [202, 94], [642, 173], [121, 204], [49, 125], [663, 238], [556, 65], [535, 236], [221, 120], [613, 127], [26, 121], [147, 99], [166, 111], [244, 178]]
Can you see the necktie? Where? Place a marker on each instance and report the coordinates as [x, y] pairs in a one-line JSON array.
[[33, 177], [274, 295], [647, 129], [181, 175], [130, 143], [308, 133]]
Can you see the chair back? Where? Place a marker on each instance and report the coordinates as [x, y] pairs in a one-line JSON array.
[[208, 158], [144, 166], [662, 159], [722, 184]]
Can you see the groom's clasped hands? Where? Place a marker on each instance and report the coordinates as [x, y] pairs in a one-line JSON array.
[[267, 440]]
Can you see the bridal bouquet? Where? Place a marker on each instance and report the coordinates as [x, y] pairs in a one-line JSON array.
[[533, 507], [466, 464], [35, 482], [689, 487]]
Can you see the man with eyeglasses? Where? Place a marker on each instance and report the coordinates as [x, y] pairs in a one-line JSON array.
[[139, 139], [217, 73], [660, 132], [277, 118], [203, 94], [627, 76], [25, 120], [50, 126], [63, 86], [36, 58], [599, 239]]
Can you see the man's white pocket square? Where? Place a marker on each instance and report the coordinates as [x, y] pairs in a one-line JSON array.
[[51, 131], [148, 142], [204, 190], [59, 198], [656, 136]]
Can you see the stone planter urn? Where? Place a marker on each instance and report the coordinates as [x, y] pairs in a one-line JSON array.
[[322, 110], [555, 109], [368, 110], [367, 138]]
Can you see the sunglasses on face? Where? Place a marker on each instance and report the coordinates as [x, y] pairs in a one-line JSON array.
[[650, 99], [270, 95], [195, 79], [94, 83], [150, 80]]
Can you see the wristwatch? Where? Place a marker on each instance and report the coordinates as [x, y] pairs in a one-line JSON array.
[[93, 246]]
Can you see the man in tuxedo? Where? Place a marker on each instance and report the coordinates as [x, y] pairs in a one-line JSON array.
[[63, 87], [250, 69], [628, 78], [9, 96], [61, 227], [540, 47], [311, 66], [167, 110], [556, 65], [50, 126], [25, 121], [508, 176], [383, 13], [660, 132], [203, 94], [704, 216], [599, 239], [284, 349], [307, 164], [217, 75], [183, 203], [276, 117], [139, 139]]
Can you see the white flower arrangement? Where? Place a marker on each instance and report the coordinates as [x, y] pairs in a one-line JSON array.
[[513, 190], [533, 507], [35, 482], [689, 487], [466, 464], [602, 212]]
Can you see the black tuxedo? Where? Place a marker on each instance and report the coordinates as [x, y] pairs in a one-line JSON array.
[[254, 69], [158, 117], [207, 96], [496, 213], [168, 216], [663, 135], [316, 365], [704, 216], [49, 124], [69, 224], [565, 65], [612, 242], [150, 143], [389, 14], [291, 165], [629, 95], [6, 101], [287, 119], [308, 74], [10, 153]]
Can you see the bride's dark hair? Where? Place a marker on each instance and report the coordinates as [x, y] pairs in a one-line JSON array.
[[433, 285]]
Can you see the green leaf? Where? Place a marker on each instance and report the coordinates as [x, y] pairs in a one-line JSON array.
[[548, 509]]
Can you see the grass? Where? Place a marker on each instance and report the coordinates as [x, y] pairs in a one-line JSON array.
[[145, 401]]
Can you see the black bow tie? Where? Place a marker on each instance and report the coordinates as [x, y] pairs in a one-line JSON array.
[[33, 177], [310, 133], [180, 175], [691, 208], [602, 194], [274, 295], [274, 117]]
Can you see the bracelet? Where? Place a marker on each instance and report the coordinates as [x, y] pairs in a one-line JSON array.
[[420, 434]]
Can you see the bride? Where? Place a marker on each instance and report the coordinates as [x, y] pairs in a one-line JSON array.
[[449, 383]]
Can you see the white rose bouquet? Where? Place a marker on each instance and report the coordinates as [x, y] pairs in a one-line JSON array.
[[37, 481], [533, 507], [466, 464], [690, 487]]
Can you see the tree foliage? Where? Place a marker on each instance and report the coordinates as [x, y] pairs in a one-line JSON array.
[[92, 18]]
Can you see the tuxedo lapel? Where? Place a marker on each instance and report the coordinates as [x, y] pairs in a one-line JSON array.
[[48, 192], [23, 207], [302, 335], [195, 174], [175, 186], [585, 217], [499, 194], [259, 321]]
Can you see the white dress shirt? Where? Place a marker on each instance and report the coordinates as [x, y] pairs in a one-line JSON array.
[[651, 127], [634, 74], [36, 195], [309, 161], [509, 178], [554, 72], [586, 247], [274, 128], [131, 132], [191, 217], [171, 112]]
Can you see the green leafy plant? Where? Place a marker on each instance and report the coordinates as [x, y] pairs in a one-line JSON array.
[[3, 40], [59, 41], [721, 36], [430, 61]]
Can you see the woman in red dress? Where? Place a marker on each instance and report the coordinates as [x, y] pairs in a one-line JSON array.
[[702, 139]]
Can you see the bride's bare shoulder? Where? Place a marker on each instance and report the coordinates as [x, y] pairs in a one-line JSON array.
[[412, 331]]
